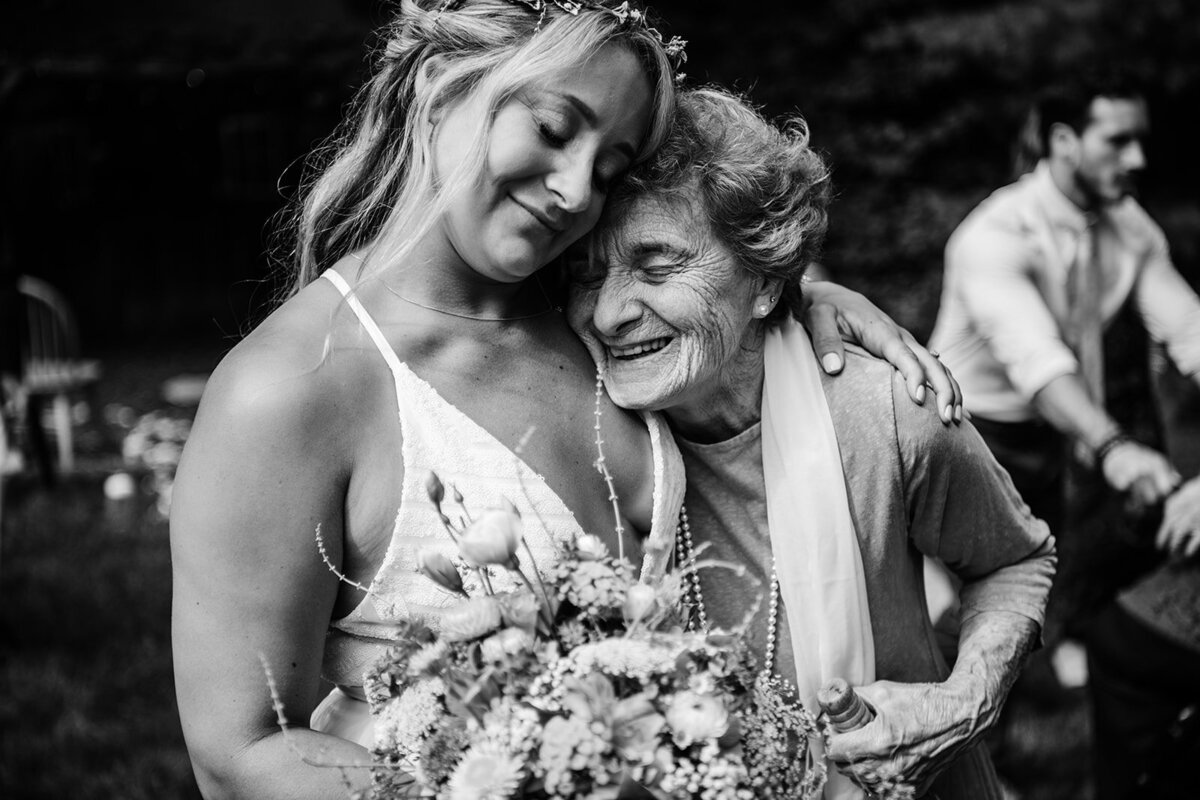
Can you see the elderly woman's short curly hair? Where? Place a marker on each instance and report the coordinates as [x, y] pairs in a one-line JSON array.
[[763, 190]]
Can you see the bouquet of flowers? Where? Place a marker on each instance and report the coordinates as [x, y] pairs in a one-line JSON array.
[[578, 682]]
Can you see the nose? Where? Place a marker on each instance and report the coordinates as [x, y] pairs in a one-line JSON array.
[[571, 182], [614, 307], [1135, 156]]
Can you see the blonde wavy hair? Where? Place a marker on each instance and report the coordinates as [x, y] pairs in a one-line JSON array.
[[371, 186]]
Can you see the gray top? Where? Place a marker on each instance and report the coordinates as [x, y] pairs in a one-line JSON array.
[[915, 487], [726, 493]]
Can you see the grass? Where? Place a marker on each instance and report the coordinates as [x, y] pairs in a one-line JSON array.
[[88, 700]]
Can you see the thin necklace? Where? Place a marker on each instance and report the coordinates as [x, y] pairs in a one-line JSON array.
[[476, 318]]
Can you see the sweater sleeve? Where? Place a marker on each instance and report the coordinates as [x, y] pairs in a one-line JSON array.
[[964, 511]]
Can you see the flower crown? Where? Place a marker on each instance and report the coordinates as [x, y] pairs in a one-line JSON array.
[[626, 14]]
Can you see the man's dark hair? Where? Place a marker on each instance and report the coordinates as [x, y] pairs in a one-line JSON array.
[[1071, 104]]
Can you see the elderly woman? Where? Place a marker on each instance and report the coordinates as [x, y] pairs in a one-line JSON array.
[[828, 491]]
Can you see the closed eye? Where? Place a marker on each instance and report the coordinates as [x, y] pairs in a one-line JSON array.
[[659, 272], [552, 137]]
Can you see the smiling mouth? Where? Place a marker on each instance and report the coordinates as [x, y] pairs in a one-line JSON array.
[[545, 221], [639, 350]]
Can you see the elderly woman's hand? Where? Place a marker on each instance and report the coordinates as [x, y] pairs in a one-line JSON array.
[[833, 313], [919, 728]]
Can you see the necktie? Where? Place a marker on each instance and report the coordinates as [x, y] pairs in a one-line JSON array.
[[1085, 327]]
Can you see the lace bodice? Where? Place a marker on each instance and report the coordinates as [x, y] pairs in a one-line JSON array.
[[438, 437]]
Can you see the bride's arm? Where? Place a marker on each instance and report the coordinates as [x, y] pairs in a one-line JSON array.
[[833, 313], [258, 475]]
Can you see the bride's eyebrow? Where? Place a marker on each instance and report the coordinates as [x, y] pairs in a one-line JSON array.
[[592, 118]]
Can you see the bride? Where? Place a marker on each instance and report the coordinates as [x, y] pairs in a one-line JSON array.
[[419, 338]]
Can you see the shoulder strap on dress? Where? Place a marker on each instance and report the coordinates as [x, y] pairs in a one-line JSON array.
[[381, 343]]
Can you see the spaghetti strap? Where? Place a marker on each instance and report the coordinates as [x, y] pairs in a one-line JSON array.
[[385, 349]]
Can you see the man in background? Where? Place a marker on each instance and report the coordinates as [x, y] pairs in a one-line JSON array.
[[1052, 286]]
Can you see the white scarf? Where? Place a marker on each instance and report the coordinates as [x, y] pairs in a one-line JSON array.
[[821, 579]]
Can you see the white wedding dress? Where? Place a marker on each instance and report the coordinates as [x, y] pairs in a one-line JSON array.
[[440, 438]]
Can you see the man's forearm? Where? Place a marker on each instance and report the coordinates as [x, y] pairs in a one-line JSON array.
[[1128, 466], [1065, 404]]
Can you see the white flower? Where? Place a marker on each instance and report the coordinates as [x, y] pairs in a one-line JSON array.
[[404, 722], [470, 619], [630, 657], [639, 602], [590, 548], [508, 642], [486, 772], [696, 717], [519, 609], [493, 538], [636, 725], [427, 657]]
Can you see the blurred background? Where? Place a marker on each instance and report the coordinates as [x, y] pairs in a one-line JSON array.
[[145, 147]]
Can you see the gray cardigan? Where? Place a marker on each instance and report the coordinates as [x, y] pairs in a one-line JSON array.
[[916, 487]]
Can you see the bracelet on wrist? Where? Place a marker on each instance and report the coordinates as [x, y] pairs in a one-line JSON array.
[[1110, 443]]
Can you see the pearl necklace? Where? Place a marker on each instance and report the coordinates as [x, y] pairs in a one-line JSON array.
[[685, 551]]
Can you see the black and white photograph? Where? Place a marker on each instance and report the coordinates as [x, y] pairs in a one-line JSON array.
[[600, 400]]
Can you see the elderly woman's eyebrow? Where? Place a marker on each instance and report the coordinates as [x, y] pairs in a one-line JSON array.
[[657, 248]]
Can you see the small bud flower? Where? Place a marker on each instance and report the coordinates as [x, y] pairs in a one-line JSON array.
[[434, 488], [590, 548], [640, 601], [439, 569]]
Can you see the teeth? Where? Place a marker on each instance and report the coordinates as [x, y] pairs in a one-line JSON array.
[[652, 346]]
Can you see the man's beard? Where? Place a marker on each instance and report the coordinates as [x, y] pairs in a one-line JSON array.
[[1121, 188]]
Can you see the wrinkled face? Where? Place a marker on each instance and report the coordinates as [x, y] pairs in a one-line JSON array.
[[552, 153], [1110, 149], [664, 307]]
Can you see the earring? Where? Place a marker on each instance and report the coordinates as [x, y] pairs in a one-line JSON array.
[[763, 309]]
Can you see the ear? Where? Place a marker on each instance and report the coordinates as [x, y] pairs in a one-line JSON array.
[[1064, 143], [767, 297]]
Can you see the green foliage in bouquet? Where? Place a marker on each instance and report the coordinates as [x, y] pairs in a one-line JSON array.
[[580, 682]]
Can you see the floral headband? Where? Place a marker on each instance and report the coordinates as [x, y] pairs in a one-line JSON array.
[[625, 13]]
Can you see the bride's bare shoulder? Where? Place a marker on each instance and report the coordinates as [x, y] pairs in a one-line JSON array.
[[293, 368]]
